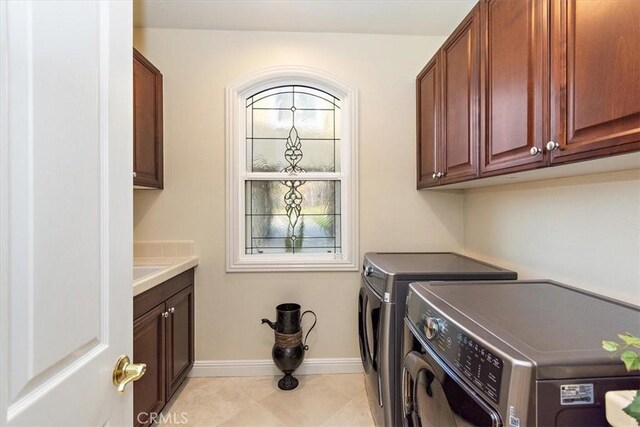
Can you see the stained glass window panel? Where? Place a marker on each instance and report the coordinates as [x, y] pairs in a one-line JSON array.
[[271, 123], [315, 124], [308, 97], [293, 128], [292, 217], [268, 155], [281, 97]]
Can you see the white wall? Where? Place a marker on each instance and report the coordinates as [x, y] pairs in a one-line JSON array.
[[393, 216], [583, 231]]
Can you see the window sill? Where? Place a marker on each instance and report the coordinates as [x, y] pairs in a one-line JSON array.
[[307, 265]]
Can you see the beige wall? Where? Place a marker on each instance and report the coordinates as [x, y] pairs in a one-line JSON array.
[[393, 216], [583, 231]]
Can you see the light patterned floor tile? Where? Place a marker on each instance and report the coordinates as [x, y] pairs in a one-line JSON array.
[[309, 405], [319, 400], [209, 401], [347, 384], [356, 413], [254, 416], [257, 387]]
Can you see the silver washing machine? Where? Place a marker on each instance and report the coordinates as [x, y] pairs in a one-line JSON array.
[[517, 354], [383, 291]]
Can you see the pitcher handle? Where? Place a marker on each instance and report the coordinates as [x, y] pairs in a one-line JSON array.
[[315, 320]]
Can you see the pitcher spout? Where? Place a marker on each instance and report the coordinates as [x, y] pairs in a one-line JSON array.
[[273, 325]]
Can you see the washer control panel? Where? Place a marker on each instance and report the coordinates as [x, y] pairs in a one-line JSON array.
[[464, 354]]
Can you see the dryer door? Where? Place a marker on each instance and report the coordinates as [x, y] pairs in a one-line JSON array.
[[365, 351], [434, 398], [369, 312]]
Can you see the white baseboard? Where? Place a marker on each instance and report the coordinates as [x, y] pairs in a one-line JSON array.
[[266, 367]]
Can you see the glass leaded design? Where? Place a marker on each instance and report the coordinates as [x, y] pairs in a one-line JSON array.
[[294, 131], [269, 225]]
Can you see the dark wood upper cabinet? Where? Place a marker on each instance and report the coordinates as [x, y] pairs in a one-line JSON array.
[[147, 123], [526, 84], [428, 115], [515, 64], [595, 79], [460, 86]]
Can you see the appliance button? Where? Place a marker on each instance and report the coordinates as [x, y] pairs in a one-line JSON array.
[[432, 328]]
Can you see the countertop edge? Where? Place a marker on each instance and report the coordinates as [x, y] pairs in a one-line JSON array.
[[176, 266]]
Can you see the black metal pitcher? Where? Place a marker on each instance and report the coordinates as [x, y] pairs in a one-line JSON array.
[[288, 350]]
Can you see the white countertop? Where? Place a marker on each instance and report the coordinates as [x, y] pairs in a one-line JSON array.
[[614, 402], [168, 267]]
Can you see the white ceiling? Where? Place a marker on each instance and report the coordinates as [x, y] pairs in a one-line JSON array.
[[410, 17]]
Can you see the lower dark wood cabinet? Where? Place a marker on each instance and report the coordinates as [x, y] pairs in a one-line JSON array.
[[179, 339], [149, 343], [163, 339]]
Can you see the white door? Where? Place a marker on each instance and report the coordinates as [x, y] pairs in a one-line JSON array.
[[65, 211]]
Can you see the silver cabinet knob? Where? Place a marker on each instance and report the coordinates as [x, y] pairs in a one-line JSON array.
[[535, 151], [440, 174], [165, 314], [135, 174], [552, 146], [434, 176], [172, 310]]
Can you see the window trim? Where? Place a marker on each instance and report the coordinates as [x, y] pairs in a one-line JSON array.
[[235, 104]]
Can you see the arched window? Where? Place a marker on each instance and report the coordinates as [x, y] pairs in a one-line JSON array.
[[291, 172]]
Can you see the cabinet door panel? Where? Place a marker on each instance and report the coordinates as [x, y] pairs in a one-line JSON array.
[[514, 69], [595, 81], [427, 123], [147, 100], [149, 347], [460, 101], [179, 338]]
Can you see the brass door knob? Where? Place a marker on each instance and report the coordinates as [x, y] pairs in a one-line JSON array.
[[125, 372]]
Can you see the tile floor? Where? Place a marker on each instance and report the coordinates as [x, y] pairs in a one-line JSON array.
[[319, 400]]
